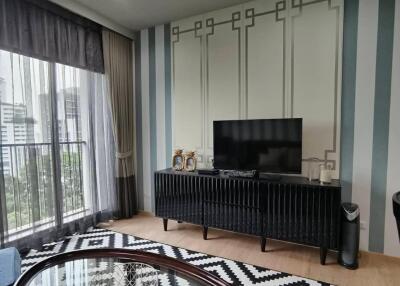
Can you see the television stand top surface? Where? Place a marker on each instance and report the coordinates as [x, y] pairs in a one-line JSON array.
[[270, 177], [283, 179]]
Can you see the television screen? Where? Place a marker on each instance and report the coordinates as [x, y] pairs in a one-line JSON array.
[[265, 145]]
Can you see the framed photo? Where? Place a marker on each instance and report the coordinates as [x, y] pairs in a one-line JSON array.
[[178, 162], [190, 161]]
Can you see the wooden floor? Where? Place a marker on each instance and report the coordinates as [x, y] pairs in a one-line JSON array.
[[375, 269]]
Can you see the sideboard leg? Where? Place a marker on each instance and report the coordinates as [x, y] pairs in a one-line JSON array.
[[323, 253], [263, 240], [165, 222], [205, 230]]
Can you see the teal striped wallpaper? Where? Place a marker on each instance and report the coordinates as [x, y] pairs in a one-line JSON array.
[[383, 77], [349, 63], [153, 108], [369, 135]]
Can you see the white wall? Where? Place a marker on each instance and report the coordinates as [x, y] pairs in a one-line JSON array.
[[268, 91]]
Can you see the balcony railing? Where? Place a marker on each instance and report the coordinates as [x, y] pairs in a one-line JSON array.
[[29, 182]]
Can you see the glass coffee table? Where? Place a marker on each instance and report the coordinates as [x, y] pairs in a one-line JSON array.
[[115, 267]]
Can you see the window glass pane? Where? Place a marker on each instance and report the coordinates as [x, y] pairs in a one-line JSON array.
[[70, 93], [25, 141]]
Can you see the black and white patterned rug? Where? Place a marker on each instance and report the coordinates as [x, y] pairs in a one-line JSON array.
[[235, 272]]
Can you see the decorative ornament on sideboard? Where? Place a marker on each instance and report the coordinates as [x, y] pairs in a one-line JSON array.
[[313, 168], [178, 160], [325, 174], [190, 161]]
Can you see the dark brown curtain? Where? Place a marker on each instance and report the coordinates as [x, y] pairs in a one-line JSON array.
[[119, 73], [43, 30]]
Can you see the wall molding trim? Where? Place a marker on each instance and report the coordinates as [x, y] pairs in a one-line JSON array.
[[255, 17], [335, 130], [210, 31], [251, 14]]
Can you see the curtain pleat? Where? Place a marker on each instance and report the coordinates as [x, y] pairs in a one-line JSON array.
[[126, 197], [45, 31], [119, 73]]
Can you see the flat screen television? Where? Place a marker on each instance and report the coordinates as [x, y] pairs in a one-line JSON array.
[[265, 145]]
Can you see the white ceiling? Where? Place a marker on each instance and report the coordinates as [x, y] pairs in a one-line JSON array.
[[139, 14]]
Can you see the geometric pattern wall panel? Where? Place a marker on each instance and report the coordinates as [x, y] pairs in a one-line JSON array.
[[261, 59], [264, 59], [186, 45], [315, 73], [222, 67]]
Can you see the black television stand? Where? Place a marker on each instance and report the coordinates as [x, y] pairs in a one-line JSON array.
[[291, 209]]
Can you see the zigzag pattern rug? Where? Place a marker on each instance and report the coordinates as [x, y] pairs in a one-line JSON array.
[[235, 272]]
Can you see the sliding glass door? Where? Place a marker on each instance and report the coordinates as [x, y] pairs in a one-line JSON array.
[[54, 119]]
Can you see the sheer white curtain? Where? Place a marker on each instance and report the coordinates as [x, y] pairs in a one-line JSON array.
[[57, 150], [26, 188], [85, 131], [101, 145]]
